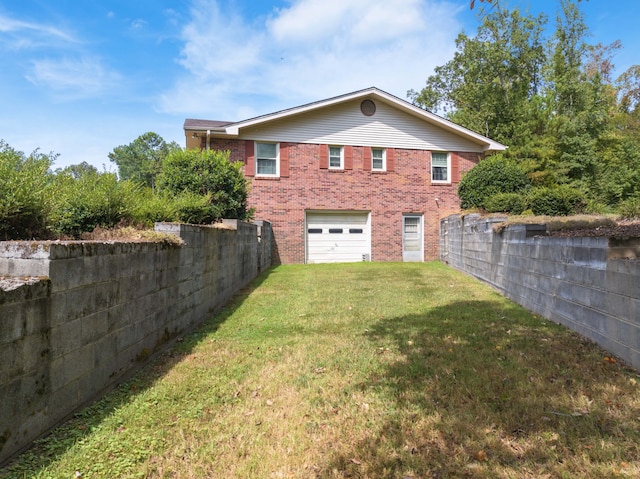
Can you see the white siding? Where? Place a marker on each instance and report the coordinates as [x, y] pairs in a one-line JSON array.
[[344, 124]]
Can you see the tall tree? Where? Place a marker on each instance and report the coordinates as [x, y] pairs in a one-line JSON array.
[[579, 99], [490, 83], [142, 159]]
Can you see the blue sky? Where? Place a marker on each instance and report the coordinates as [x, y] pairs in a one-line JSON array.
[[80, 78]]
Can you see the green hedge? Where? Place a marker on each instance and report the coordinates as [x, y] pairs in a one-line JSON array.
[[514, 203], [557, 201], [491, 176], [25, 193]]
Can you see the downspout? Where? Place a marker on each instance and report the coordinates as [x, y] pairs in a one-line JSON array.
[[208, 139]]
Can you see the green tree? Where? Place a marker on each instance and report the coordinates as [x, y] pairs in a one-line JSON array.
[[141, 160], [78, 170], [210, 174], [490, 83], [580, 99]]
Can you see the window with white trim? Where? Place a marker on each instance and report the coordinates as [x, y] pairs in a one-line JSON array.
[[336, 157], [440, 167], [378, 159], [267, 159]]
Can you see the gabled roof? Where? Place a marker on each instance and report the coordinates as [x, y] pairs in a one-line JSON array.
[[233, 128]]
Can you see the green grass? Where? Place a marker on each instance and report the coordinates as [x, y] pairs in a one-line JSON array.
[[364, 370]]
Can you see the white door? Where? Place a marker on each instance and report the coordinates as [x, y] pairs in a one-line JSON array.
[[338, 237], [412, 238]]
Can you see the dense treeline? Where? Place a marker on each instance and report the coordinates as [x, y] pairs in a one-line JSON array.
[[549, 95], [37, 202]]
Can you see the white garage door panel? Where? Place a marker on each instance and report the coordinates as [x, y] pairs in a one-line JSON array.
[[337, 237]]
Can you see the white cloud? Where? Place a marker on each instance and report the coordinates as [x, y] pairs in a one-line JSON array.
[[356, 22], [237, 67], [74, 78], [27, 34]]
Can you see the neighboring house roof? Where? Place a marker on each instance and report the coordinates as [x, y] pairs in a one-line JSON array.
[[236, 129]]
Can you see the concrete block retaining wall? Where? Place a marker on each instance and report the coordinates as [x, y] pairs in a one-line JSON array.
[[589, 284], [77, 316]]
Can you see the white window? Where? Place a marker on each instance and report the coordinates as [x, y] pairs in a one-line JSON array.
[[378, 159], [267, 159], [336, 157], [440, 167]]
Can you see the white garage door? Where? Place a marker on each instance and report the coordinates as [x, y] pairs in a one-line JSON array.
[[338, 237]]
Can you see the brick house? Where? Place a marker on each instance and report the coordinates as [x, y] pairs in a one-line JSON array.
[[362, 176]]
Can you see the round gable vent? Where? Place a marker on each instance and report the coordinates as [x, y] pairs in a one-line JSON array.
[[367, 107]]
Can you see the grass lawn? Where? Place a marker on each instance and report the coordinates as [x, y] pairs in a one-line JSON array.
[[367, 370]]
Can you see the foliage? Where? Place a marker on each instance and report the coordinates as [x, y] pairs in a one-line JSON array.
[[489, 83], [557, 201], [79, 170], [141, 160], [90, 201], [513, 203], [25, 193], [493, 175], [629, 209], [210, 175], [547, 94]]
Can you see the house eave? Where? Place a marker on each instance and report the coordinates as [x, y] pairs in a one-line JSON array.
[[233, 129]]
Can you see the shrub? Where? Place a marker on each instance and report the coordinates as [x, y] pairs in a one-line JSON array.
[[513, 203], [557, 201], [92, 200], [25, 193], [210, 175], [629, 209], [491, 176]]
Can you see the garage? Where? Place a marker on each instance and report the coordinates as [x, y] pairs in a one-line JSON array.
[[337, 237]]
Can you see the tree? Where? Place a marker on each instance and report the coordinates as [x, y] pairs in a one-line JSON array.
[[490, 83], [580, 99], [79, 170], [210, 174], [142, 159]]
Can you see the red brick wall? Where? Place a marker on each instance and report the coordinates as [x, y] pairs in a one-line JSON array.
[[387, 195]]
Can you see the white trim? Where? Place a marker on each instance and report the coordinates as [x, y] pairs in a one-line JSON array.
[[441, 182], [255, 152], [341, 166], [420, 226], [384, 159]]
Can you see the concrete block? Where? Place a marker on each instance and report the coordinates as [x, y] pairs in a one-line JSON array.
[[623, 284], [94, 326], [12, 322], [11, 362], [36, 351]]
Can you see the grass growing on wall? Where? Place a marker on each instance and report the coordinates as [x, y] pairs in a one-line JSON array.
[[362, 370]]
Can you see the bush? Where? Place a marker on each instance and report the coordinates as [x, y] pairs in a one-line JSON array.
[[491, 176], [210, 175], [513, 203], [629, 209], [557, 201], [92, 200], [25, 193]]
